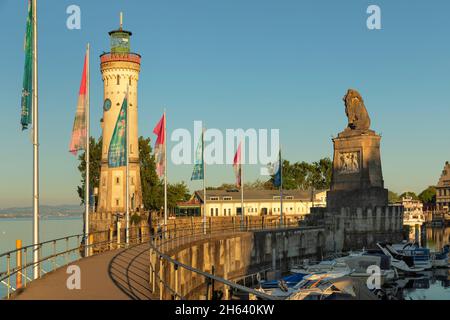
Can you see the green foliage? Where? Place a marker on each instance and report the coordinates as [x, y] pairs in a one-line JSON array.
[[95, 158], [428, 196], [393, 197], [409, 194], [152, 188], [175, 193], [303, 175]]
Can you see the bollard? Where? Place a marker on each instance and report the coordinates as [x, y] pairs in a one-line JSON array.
[[111, 232], [19, 264], [142, 233], [118, 234], [91, 245]]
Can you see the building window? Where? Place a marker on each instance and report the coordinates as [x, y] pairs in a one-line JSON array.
[[217, 211], [289, 198], [229, 212], [276, 197], [214, 198], [212, 212], [224, 212], [117, 202], [118, 80], [227, 198], [117, 180]]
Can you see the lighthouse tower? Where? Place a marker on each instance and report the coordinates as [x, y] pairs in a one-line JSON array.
[[120, 72]]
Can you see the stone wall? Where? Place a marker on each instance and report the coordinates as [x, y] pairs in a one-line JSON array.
[[237, 254], [357, 228]]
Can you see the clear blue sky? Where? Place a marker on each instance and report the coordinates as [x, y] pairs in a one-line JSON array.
[[237, 64]]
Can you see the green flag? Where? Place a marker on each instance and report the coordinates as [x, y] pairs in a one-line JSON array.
[[117, 155], [28, 72]]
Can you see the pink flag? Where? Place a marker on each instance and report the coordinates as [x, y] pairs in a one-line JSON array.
[[237, 165], [160, 146], [78, 141]]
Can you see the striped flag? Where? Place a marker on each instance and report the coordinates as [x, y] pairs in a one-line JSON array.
[[79, 137], [27, 86], [237, 166], [160, 148], [197, 173], [117, 154]]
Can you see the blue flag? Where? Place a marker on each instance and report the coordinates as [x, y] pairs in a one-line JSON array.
[[277, 172], [197, 173]]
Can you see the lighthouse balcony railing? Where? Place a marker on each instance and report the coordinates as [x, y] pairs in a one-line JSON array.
[[119, 56]]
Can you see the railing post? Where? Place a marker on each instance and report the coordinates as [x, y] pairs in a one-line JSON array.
[[25, 264], [19, 264], [153, 257], [175, 266], [67, 251], [54, 255], [8, 273], [161, 286]]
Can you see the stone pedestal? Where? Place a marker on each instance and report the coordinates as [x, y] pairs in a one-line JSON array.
[[357, 179]]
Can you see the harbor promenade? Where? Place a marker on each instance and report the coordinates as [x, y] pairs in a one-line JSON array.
[[115, 275]]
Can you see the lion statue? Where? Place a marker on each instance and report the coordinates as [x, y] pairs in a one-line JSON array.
[[358, 118]]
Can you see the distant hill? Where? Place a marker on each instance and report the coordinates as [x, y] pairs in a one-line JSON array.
[[65, 210]]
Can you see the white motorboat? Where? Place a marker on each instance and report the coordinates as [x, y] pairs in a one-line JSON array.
[[421, 256], [400, 261]]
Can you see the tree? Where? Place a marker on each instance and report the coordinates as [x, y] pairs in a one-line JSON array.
[[304, 176], [409, 194], [152, 188], [95, 158], [428, 196], [177, 192], [393, 197]]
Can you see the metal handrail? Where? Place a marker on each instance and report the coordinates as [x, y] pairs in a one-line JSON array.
[[5, 277], [162, 240]]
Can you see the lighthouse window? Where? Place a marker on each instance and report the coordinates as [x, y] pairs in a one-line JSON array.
[[129, 81], [117, 180], [118, 80], [132, 181], [117, 202]]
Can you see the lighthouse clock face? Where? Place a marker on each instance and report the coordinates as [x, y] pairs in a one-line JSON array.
[[107, 105]]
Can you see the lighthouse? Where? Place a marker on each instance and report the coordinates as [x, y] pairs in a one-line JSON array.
[[120, 72]]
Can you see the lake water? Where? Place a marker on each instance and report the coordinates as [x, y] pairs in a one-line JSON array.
[[430, 285]]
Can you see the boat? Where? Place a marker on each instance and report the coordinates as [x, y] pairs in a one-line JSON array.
[[321, 267], [360, 264], [400, 261], [340, 288], [421, 256], [440, 259], [288, 281], [284, 291]]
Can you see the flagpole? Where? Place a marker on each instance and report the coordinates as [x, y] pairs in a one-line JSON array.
[[127, 215], [35, 119], [87, 156], [281, 190], [165, 173], [204, 180], [242, 188]]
